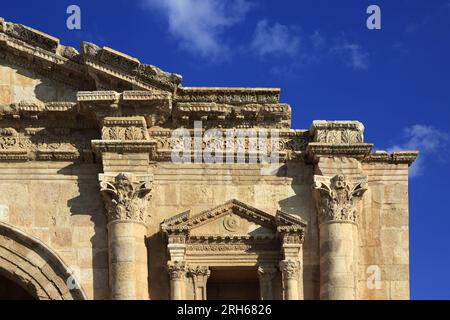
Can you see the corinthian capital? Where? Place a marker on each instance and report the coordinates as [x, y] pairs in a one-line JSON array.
[[290, 268], [337, 197], [126, 196], [177, 269]]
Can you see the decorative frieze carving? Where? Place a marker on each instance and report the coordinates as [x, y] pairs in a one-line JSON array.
[[126, 196], [228, 95], [289, 144], [44, 143], [337, 132], [124, 128], [337, 197]]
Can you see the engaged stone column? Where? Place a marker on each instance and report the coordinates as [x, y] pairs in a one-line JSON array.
[[200, 275], [290, 270], [126, 198], [177, 275], [337, 199], [266, 275]]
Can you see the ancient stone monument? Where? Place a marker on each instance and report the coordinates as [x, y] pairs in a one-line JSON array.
[[93, 205]]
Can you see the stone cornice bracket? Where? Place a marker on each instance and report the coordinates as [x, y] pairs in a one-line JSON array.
[[337, 139], [337, 197], [126, 196]]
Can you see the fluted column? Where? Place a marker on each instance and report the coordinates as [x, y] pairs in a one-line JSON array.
[[266, 274], [177, 275], [290, 270], [126, 198], [337, 204]]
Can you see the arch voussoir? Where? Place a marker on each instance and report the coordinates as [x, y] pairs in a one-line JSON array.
[[34, 266]]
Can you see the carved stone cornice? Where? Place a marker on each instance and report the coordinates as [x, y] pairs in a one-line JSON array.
[[32, 49], [399, 157], [221, 115], [126, 196], [177, 269], [359, 151], [290, 268], [228, 95], [337, 197], [337, 139], [121, 67], [119, 146], [337, 132]]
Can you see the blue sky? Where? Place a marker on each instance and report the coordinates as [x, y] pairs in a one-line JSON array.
[[328, 64]]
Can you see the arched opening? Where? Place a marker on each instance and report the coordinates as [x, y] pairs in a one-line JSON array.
[[10, 290], [27, 263]]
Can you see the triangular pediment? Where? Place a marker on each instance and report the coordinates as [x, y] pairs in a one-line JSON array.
[[91, 68], [231, 218]]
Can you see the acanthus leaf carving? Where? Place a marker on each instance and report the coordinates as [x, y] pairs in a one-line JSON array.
[[126, 197], [177, 269], [337, 197], [290, 268]]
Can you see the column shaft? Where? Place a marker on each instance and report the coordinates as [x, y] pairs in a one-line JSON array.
[[127, 260], [290, 270], [338, 242]]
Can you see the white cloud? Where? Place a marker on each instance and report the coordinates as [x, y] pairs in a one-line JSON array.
[[352, 55], [427, 139], [199, 25], [275, 40]]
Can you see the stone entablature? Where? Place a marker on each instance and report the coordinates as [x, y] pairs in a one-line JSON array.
[[112, 84]]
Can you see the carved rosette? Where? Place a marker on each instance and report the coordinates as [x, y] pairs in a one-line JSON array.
[[126, 197], [290, 268], [337, 197], [177, 269]]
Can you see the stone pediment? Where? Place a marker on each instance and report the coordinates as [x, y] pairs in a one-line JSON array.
[[233, 219], [93, 68]]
